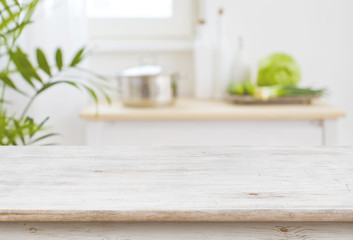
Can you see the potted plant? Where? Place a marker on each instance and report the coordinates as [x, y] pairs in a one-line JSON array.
[[22, 129]]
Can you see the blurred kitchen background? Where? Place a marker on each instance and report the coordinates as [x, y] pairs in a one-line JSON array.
[[121, 34]]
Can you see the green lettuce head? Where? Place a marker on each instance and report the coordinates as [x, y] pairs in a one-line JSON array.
[[278, 69]]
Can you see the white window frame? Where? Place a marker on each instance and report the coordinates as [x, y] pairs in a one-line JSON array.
[[179, 27]]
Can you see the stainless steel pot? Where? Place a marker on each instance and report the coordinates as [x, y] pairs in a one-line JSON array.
[[148, 86]]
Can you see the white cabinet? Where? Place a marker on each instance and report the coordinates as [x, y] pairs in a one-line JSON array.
[[193, 122]]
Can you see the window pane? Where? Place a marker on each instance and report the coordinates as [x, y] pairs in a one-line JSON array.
[[130, 8]]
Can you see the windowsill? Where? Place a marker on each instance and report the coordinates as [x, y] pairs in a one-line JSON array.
[[170, 45]]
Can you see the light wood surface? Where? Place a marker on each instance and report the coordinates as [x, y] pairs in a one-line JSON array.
[[190, 109], [176, 184]]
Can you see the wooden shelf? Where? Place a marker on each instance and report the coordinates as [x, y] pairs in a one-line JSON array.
[[190, 109]]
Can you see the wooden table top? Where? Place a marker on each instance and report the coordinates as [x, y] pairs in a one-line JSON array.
[[176, 184], [191, 109]]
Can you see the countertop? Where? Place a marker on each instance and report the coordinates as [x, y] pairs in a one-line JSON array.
[[147, 184], [191, 109]]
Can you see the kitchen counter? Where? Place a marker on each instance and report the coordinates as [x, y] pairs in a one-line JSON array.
[[229, 185], [191, 109], [197, 122]]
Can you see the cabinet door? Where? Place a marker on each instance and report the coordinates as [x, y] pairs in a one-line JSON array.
[[244, 133]]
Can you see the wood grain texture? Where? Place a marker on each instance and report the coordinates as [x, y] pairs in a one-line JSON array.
[[190, 109], [176, 231], [176, 184]]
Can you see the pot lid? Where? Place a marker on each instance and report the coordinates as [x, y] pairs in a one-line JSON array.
[[140, 71]]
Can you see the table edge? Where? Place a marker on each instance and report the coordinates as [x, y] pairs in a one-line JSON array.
[[225, 215]]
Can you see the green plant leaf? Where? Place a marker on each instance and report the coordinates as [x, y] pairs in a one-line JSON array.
[[92, 93], [17, 61], [5, 78], [51, 84], [27, 9], [99, 76], [42, 62], [8, 82], [59, 59], [6, 7], [107, 98], [19, 129], [5, 101], [97, 86], [78, 57], [16, 28], [16, 2], [38, 128], [44, 137], [14, 17], [6, 21], [24, 66]]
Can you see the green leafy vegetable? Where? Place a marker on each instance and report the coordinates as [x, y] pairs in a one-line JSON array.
[[279, 69], [244, 88], [236, 88], [249, 87]]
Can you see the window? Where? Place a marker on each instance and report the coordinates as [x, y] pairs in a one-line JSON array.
[[130, 8], [140, 19]]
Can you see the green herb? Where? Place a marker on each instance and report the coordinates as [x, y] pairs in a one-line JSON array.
[[265, 93]]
